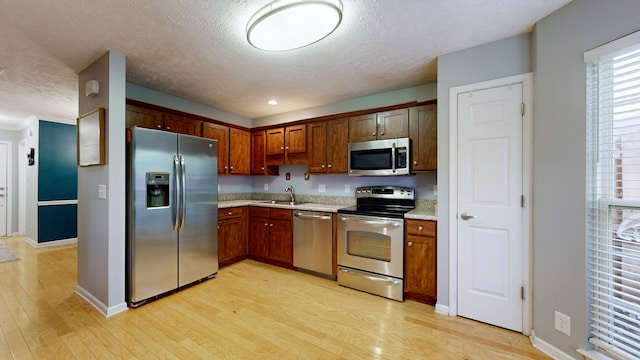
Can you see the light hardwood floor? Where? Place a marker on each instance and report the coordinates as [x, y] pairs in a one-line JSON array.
[[250, 311]]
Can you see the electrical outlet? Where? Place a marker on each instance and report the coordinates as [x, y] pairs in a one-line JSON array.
[[322, 188], [563, 323], [347, 188], [266, 187]]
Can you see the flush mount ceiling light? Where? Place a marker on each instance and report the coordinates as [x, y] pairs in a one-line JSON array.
[[292, 24]]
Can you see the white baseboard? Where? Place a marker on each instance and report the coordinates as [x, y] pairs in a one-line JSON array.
[[98, 305], [37, 245], [442, 309], [548, 349]]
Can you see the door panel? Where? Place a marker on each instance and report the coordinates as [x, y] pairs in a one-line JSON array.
[[198, 239], [3, 189], [490, 186]]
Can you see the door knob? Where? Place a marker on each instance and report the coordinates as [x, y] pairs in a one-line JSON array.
[[410, 243], [465, 216]]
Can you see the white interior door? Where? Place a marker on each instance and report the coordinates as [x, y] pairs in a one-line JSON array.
[[489, 210], [3, 188]]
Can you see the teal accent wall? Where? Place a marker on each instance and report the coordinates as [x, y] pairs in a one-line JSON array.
[[57, 181], [58, 173]]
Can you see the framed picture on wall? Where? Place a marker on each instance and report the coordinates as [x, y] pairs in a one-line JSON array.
[[90, 137]]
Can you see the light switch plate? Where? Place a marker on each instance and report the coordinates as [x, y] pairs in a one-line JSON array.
[[102, 192], [266, 187], [322, 188]]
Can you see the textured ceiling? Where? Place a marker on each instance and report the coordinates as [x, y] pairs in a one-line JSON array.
[[197, 50]]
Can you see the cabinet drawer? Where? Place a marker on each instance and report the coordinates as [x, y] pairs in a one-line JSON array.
[[257, 211], [230, 213], [421, 227], [281, 214]]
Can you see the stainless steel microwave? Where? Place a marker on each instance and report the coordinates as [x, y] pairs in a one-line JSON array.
[[379, 157]]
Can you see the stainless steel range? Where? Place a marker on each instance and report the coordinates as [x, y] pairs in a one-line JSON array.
[[371, 240]]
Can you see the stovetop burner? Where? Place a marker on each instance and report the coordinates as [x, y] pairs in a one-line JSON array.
[[382, 201]]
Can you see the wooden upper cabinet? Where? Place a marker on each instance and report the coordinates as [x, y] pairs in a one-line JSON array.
[[337, 142], [143, 117], [220, 133], [385, 125], [275, 141], [327, 146], [182, 124], [362, 128], [286, 145], [423, 130], [239, 151], [317, 139], [393, 124], [258, 155]]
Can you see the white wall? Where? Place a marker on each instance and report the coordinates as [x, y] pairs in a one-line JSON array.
[[559, 158], [101, 223], [31, 134], [487, 62], [13, 136]]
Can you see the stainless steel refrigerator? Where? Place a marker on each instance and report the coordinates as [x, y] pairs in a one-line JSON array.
[[172, 212]]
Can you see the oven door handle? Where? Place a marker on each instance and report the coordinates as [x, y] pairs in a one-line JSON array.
[[371, 277], [372, 222], [302, 215]]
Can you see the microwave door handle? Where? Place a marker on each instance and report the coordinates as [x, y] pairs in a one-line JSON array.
[[393, 157]]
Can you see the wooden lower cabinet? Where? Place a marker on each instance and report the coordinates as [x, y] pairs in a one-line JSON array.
[[271, 235], [232, 235], [420, 261]]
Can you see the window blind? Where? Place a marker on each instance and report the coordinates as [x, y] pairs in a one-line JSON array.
[[613, 202]]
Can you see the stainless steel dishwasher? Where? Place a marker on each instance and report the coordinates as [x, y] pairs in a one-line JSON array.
[[313, 242]]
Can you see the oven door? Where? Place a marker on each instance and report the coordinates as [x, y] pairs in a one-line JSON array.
[[371, 244]]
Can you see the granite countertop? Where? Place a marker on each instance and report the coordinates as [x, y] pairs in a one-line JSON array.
[[418, 213], [311, 206]]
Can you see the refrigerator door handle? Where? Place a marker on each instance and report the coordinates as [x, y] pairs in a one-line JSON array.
[[176, 192], [183, 191]]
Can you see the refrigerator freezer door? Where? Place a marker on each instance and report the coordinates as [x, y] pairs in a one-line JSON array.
[[152, 242], [198, 234]]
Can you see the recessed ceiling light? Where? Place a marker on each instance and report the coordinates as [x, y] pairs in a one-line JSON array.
[[272, 102], [291, 24]]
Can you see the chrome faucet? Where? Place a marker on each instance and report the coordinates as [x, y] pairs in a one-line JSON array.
[[290, 189]]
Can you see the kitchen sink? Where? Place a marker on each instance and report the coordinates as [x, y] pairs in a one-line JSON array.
[[285, 202]]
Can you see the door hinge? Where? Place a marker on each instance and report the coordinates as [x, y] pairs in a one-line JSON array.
[[521, 200], [522, 293], [522, 109]]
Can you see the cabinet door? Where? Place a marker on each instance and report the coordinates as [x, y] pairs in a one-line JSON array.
[[257, 153], [281, 241], [336, 144], [182, 124], [420, 253], [143, 117], [275, 141], [317, 156], [423, 131], [258, 236], [362, 128], [393, 124], [240, 151], [220, 133], [296, 139]]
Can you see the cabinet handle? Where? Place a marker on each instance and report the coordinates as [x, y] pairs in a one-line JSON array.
[[231, 168], [286, 147], [323, 166], [168, 127], [261, 167], [271, 225], [218, 227], [281, 147], [415, 162], [229, 213], [159, 126], [419, 228], [225, 168], [329, 166], [266, 224], [410, 243], [373, 133]]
